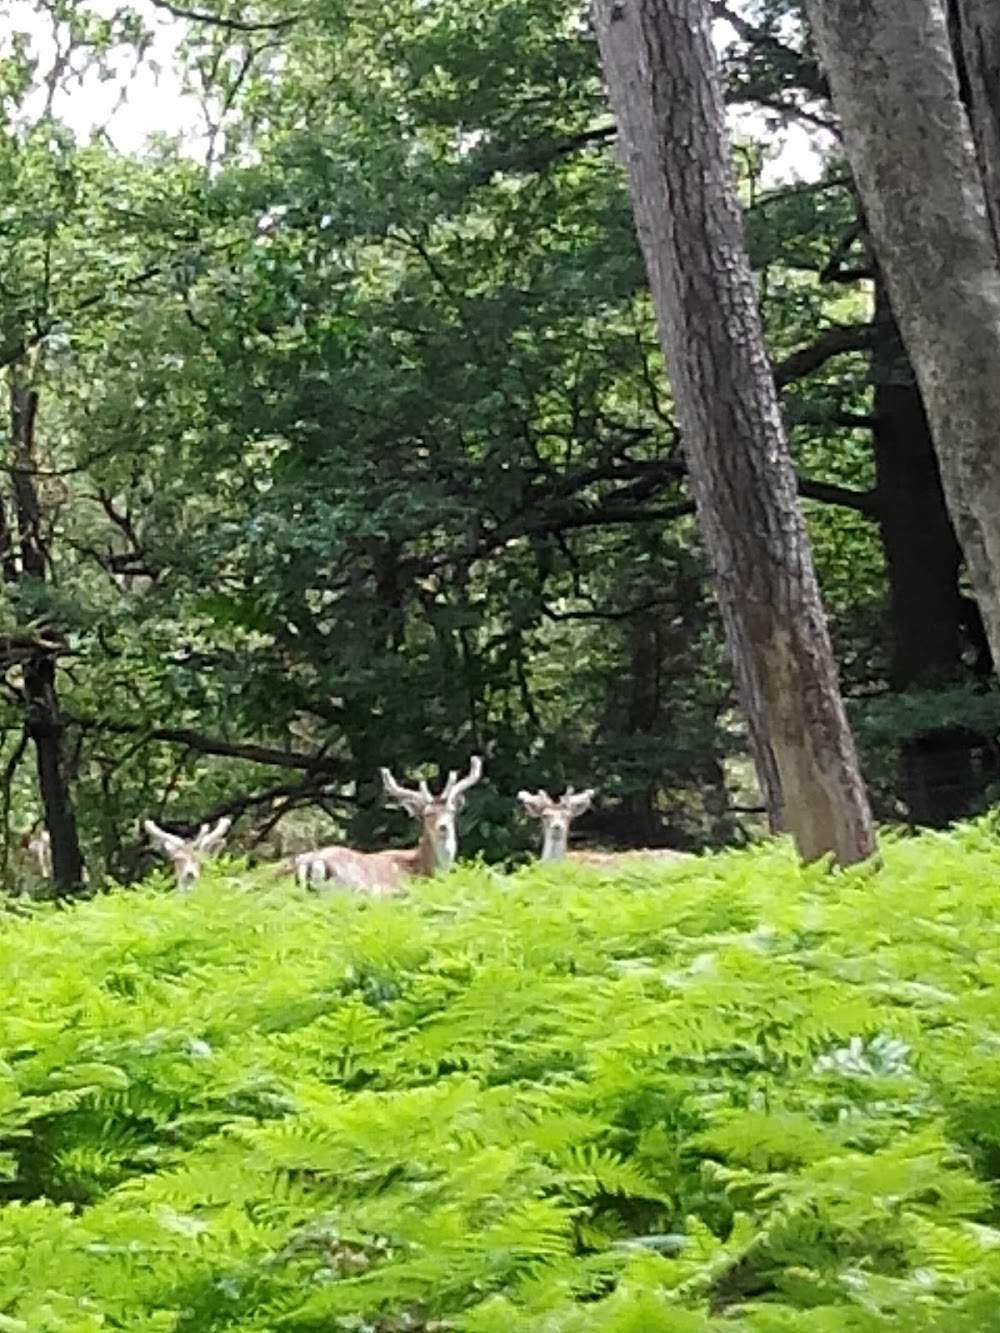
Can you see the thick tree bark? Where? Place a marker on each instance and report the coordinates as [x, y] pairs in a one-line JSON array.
[[44, 720], [665, 93], [895, 87], [976, 44]]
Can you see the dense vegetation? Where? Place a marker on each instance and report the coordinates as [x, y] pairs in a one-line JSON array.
[[355, 448], [727, 1095]]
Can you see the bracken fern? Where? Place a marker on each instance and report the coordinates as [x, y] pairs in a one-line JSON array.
[[727, 1094]]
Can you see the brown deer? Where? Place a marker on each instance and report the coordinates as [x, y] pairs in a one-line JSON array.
[[558, 814], [185, 854], [384, 874]]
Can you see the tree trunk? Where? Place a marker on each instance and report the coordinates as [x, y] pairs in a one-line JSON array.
[[938, 776], [976, 45], [44, 721], [895, 87], [922, 553], [46, 730], [665, 92]]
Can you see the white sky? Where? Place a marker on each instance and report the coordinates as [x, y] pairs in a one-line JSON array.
[[150, 99]]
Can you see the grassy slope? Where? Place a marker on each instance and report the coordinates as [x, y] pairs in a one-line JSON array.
[[730, 1095]]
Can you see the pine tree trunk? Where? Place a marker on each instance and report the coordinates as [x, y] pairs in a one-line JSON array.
[[665, 93], [895, 87]]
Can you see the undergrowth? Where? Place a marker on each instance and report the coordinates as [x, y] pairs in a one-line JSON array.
[[729, 1094]]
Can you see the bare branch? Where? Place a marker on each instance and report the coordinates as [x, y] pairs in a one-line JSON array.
[[832, 342], [800, 187], [221, 21], [862, 502], [252, 753]]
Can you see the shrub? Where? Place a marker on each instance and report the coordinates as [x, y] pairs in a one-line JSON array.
[[729, 1094]]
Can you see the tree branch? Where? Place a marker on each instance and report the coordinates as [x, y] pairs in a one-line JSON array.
[[826, 492], [193, 740], [804, 69], [538, 154], [832, 342], [14, 351], [220, 21], [782, 192]]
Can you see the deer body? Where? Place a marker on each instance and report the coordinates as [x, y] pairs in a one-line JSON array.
[[385, 874], [38, 849], [185, 855], [556, 817], [35, 855]]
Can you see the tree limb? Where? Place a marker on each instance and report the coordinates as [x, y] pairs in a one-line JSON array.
[[220, 21], [805, 70], [831, 342], [538, 154], [246, 750], [826, 492], [19, 347]]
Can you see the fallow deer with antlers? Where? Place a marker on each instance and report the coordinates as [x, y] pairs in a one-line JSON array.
[[558, 814], [185, 854], [384, 874]]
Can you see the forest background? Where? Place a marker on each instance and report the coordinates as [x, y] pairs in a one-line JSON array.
[[348, 439]]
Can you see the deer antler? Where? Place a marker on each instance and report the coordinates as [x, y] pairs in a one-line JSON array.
[[209, 839], [164, 841], [534, 801], [455, 788], [414, 800]]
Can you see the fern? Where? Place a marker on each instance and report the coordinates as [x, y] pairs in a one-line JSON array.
[[736, 1094]]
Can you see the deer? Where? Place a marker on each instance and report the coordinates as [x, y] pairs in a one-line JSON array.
[[558, 814], [36, 847], [385, 874], [185, 854], [34, 853]]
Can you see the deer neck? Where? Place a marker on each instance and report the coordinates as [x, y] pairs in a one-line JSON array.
[[553, 843]]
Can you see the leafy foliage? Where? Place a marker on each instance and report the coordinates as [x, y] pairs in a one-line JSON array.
[[356, 447], [728, 1094]]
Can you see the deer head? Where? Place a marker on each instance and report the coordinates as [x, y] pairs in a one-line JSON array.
[[184, 854], [556, 816], [437, 814]]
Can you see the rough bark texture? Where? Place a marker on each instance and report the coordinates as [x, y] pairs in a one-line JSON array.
[[895, 86], [665, 93], [976, 42]]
